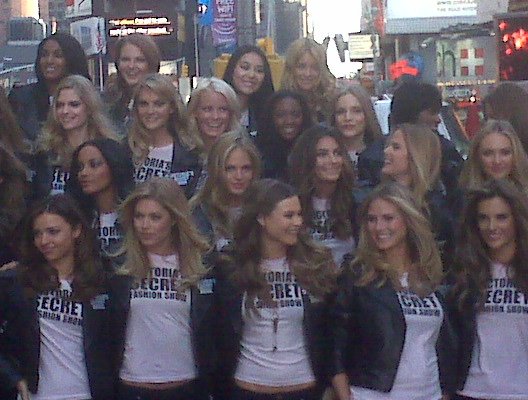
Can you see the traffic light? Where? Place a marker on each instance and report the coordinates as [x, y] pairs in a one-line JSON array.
[[513, 47]]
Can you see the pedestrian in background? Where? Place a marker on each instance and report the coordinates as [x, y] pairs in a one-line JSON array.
[[248, 72]]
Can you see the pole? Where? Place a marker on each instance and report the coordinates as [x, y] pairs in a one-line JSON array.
[[246, 26], [196, 46]]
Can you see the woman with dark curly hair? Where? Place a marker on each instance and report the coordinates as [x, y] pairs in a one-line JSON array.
[[249, 73], [492, 293], [324, 176], [55, 337], [59, 55], [101, 178], [273, 301], [285, 117]]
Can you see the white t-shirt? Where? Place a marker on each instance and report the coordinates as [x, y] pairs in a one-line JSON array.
[[157, 163], [62, 367], [499, 362], [322, 230], [58, 183], [272, 350], [158, 346], [106, 229], [417, 377]]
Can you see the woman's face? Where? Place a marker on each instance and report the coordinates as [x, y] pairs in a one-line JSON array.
[[248, 74], [328, 160], [238, 173], [54, 237], [133, 65], [213, 114], [396, 164], [288, 118], [71, 111], [94, 174], [386, 226], [349, 117], [282, 226], [496, 155], [153, 226], [153, 111], [306, 74], [52, 62], [496, 226]]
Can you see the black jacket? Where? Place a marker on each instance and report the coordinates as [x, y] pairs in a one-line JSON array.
[[369, 332], [315, 326], [20, 340], [203, 320]]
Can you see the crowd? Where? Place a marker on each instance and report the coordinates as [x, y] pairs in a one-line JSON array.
[[256, 244]]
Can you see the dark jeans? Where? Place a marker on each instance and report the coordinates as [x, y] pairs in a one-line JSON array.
[[307, 394], [460, 397], [189, 391]]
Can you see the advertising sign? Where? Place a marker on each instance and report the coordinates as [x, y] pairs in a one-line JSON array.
[[90, 33], [78, 8], [224, 22], [360, 46], [405, 9], [151, 26]]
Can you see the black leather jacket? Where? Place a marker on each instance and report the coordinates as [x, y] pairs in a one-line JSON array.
[[315, 325], [20, 340], [369, 332], [203, 322]]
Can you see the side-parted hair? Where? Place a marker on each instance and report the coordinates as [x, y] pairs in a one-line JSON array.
[[257, 99], [37, 275], [425, 155], [372, 127], [214, 193], [509, 101], [121, 168], [190, 245], [472, 256], [302, 160], [11, 135], [211, 85], [311, 263], [375, 268], [54, 137], [326, 87], [139, 139], [473, 175]]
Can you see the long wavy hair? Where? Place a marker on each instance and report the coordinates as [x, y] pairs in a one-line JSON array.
[[509, 101], [302, 162], [258, 99], [473, 175], [13, 188], [54, 137], [190, 245], [425, 155], [37, 275], [375, 268], [372, 127], [117, 90], [11, 134], [139, 139], [214, 193], [319, 97], [473, 261], [211, 85], [121, 169], [311, 263]]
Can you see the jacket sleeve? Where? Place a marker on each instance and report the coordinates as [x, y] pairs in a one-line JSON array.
[[9, 375]]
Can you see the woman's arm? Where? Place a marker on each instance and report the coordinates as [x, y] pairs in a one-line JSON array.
[[341, 387]]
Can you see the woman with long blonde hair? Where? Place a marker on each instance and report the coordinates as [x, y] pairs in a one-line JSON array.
[[159, 137], [76, 115], [392, 332], [306, 71], [162, 298], [233, 164], [496, 152]]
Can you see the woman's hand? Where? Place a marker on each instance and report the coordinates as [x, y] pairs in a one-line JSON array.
[[23, 390], [9, 265], [342, 387]]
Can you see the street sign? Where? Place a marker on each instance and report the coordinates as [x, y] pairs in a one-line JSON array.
[[360, 46]]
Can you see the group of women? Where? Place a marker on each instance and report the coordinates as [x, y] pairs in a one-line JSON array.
[[235, 248]]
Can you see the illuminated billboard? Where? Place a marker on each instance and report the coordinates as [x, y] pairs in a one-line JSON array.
[[151, 26], [401, 9]]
